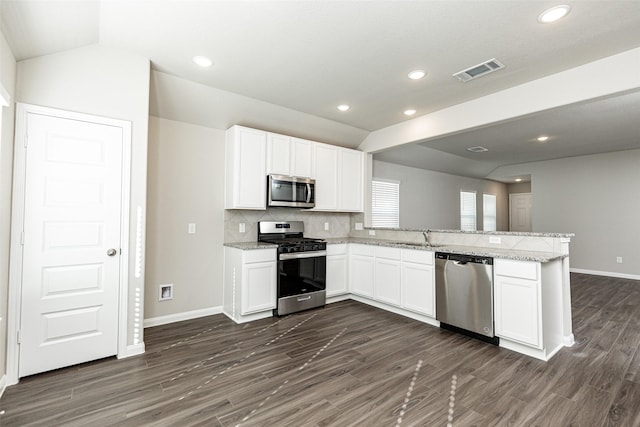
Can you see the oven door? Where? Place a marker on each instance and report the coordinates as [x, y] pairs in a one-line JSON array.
[[302, 273], [291, 191]]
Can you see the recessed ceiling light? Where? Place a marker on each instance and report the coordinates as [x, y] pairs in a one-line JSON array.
[[553, 14], [343, 107], [409, 112], [417, 74], [518, 179], [202, 61], [542, 138]]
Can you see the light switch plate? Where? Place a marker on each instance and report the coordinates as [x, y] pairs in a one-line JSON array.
[[358, 226], [372, 232], [326, 226], [241, 227], [191, 228]]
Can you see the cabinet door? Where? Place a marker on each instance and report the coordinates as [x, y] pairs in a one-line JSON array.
[[351, 181], [361, 275], [278, 154], [337, 280], [246, 174], [326, 160], [258, 287], [301, 158], [387, 281], [418, 290], [517, 310]]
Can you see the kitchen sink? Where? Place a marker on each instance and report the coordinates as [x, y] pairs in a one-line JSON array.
[[419, 245]]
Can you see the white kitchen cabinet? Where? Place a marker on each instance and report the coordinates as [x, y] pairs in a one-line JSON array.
[[302, 158], [361, 270], [250, 280], [517, 301], [339, 179], [418, 282], [326, 158], [351, 180], [337, 270], [289, 156], [388, 283], [278, 154], [245, 173]]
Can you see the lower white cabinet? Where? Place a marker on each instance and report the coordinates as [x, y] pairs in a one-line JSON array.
[[388, 278], [337, 270], [517, 297], [361, 263], [418, 290], [250, 280]]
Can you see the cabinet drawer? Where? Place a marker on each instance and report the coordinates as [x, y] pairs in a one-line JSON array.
[[259, 255], [388, 253], [339, 249], [418, 257], [512, 268], [365, 250]]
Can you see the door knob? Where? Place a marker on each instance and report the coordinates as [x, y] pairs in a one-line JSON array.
[[111, 252]]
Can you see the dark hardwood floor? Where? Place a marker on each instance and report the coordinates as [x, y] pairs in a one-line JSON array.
[[352, 365]]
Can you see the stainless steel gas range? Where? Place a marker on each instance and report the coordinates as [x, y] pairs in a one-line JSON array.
[[302, 266]]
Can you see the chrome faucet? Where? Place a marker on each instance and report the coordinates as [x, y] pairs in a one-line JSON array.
[[426, 237]]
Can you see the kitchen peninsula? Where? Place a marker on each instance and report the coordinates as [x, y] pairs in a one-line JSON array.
[[394, 269]]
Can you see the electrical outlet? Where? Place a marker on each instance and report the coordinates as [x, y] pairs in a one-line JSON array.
[[372, 232], [326, 226], [241, 227], [358, 226], [619, 259], [191, 229], [495, 239]]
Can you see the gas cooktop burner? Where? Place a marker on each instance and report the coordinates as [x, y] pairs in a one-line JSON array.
[[289, 237]]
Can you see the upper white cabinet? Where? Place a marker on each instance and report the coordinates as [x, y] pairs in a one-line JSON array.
[[339, 179], [245, 163], [289, 156], [253, 154]]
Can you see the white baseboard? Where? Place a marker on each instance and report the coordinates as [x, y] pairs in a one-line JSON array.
[[132, 350], [606, 273], [179, 317], [3, 384]]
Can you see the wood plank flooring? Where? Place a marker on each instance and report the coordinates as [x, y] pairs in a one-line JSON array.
[[352, 365]]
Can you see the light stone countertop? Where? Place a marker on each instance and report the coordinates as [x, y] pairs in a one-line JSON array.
[[490, 233], [518, 255], [248, 246]]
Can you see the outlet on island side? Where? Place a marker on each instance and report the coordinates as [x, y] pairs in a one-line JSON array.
[[326, 226], [495, 239], [241, 227]]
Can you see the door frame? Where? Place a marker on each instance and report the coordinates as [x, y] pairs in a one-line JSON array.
[[14, 302]]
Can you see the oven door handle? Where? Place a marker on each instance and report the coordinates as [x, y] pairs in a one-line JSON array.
[[299, 255]]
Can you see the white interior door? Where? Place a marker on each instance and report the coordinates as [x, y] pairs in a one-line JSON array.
[[520, 212], [71, 250]]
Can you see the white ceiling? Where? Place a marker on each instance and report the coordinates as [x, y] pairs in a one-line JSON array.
[[286, 65]]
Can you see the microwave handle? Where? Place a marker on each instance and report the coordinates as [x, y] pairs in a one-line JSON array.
[[308, 193]]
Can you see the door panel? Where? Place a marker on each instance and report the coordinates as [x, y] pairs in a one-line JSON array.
[[520, 212], [72, 216]]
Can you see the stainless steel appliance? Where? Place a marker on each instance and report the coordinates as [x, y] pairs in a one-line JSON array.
[[464, 294], [302, 266], [291, 191]]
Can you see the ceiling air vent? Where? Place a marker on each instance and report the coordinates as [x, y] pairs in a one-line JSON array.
[[478, 149], [479, 70]]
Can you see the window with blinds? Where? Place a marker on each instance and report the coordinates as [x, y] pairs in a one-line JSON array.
[[468, 211], [385, 203], [489, 212]]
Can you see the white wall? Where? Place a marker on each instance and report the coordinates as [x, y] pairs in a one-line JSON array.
[[186, 185], [105, 82], [8, 81], [597, 198], [431, 199]]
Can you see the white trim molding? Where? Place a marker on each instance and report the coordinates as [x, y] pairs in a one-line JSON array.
[[179, 317], [606, 273], [3, 384]]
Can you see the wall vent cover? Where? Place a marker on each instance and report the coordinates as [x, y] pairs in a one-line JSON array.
[[478, 149], [479, 70]]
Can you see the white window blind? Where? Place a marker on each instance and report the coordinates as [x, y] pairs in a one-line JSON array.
[[488, 212], [467, 211], [385, 203]]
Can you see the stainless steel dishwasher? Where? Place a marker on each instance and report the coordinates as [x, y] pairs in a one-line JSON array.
[[464, 294]]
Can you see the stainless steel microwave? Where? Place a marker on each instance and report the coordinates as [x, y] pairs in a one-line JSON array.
[[291, 191]]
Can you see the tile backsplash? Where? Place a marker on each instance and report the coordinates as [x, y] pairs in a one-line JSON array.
[[313, 222]]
